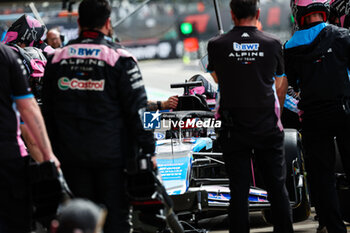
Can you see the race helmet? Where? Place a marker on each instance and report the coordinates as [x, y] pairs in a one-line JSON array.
[[340, 13], [304, 8], [26, 30]]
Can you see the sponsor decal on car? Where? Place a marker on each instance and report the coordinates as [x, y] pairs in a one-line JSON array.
[[159, 136], [65, 83]]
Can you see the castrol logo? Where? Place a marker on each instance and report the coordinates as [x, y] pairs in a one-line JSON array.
[[65, 83]]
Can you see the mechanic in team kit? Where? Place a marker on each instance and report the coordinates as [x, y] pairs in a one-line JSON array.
[[93, 100], [317, 63], [22, 36], [245, 61], [15, 197]]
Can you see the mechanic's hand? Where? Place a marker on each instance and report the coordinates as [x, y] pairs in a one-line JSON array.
[[56, 161], [171, 103], [154, 161]]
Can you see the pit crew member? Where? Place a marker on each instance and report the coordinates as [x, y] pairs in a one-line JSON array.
[[93, 100], [15, 197], [23, 35], [317, 62], [245, 61]]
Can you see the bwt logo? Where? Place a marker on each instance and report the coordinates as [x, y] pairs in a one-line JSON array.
[[84, 52], [246, 47], [151, 120]]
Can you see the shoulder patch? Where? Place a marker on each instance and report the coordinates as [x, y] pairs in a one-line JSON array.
[[125, 53]]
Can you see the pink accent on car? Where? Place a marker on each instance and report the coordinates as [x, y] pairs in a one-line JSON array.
[[86, 51], [217, 107], [253, 171], [197, 90], [211, 101], [300, 114], [10, 36], [308, 2]]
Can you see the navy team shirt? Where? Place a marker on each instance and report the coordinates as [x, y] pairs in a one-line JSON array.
[[246, 61]]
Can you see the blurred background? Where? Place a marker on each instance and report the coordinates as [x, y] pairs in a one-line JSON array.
[[153, 29]]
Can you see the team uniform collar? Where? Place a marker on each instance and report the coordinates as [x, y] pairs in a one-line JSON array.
[[306, 36], [245, 28], [93, 34]]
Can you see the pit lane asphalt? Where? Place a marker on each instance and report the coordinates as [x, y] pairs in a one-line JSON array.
[[158, 75], [257, 224]]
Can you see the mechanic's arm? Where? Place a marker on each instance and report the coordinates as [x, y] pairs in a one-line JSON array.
[[292, 67], [31, 144], [170, 103], [281, 81], [30, 113], [212, 61], [29, 109], [281, 84], [215, 77]]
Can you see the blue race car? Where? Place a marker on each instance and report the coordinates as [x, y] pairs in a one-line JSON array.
[[192, 168]]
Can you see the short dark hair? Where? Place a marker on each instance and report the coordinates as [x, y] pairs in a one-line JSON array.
[[244, 8], [94, 13], [79, 214]]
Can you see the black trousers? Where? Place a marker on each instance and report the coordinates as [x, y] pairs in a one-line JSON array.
[[15, 196], [269, 154], [102, 186], [318, 141]]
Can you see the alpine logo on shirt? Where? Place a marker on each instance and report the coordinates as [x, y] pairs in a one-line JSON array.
[[65, 83], [246, 52]]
